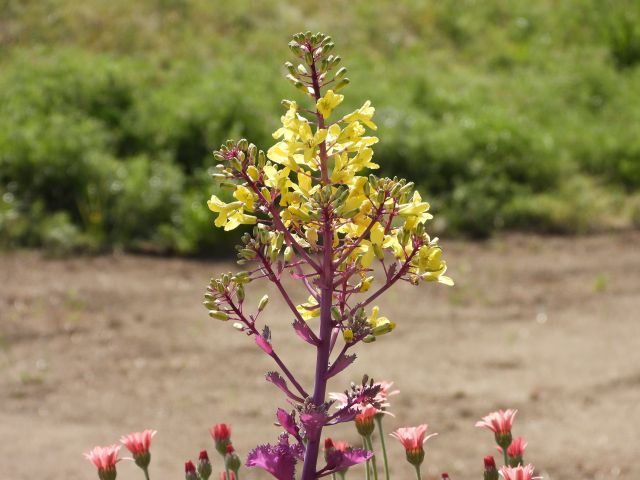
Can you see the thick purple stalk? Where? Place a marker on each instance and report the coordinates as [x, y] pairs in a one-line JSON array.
[[326, 299]]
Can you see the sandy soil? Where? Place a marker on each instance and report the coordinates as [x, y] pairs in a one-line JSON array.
[[91, 348]]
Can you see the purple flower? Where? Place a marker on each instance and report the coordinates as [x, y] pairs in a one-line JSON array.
[[279, 460], [341, 460]]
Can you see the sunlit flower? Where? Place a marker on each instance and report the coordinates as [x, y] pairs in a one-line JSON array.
[[328, 103], [412, 439], [499, 421], [138, 442], [364, 421], [518, 473], [104, 459]]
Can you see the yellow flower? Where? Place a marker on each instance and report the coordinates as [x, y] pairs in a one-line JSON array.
[[363, 114], [230, 215], [430, 265], [416, 211], [328, 103], [380, 325], [309, 310], [246, 196]]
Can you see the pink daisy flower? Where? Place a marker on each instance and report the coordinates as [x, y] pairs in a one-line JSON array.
[[412, 439], [518, 473], [104, 459], [499, 422], [138, 443]]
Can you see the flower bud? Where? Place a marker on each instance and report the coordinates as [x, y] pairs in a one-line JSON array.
[[263, 303], [221, 434], [232, 460], [240, 293], [288, 254], [218, 315], [364, 421], [341, 73], [490, 470], [204, 465], [369, 339], [190, 471], [347, 334]]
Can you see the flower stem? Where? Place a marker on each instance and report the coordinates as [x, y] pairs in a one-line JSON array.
[[374, 463], [146, 473], [367, 463], [506, 458], [384, 446], [418, 475]]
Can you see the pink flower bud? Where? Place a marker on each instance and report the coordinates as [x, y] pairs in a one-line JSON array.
[[490, 471], [221, 434], [190, 471], [364, 421]]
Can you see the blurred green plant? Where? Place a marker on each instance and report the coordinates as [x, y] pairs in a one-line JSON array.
[[509, 115]]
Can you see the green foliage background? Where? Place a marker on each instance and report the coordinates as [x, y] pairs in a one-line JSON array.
[[508, 114]]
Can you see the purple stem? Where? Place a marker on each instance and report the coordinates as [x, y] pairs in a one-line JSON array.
[[326, 298]]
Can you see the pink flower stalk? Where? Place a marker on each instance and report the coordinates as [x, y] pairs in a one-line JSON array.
[[518, 473], [138, 442], [412, 439], [104, 459], [499, 422]]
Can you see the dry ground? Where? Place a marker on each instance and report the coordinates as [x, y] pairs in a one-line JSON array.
[[94, 347]]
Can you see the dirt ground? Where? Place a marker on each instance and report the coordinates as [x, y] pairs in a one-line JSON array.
[[91, 348]]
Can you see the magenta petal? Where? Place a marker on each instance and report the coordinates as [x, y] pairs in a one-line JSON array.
[[337, 460], [278, 381], [303, 331], [313, 422], [288, 423], [340, 364]]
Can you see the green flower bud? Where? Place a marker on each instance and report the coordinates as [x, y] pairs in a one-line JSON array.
[[263, 303], [218, 315]]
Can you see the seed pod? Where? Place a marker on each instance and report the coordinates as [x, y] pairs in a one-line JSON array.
[[369, 339]]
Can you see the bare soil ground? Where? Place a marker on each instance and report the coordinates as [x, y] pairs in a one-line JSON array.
[[91, 348]]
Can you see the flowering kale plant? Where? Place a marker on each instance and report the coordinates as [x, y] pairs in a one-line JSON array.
[[318, 217]]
